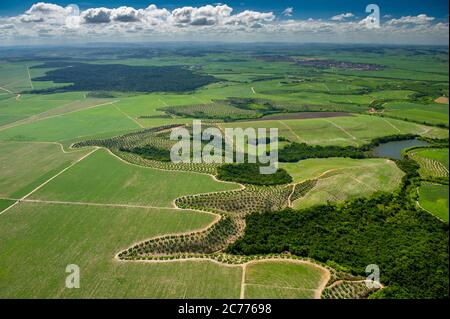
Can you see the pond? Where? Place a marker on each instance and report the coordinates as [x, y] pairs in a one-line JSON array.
[[394, 149]]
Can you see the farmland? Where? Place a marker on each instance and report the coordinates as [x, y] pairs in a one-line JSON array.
[[102, 178], [275, 280], [433, 162], [343, 178], [34, 163], [434, 198], [89, 237], [342, 131], [86, 176]]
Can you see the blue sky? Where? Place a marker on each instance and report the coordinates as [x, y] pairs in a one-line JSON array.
[[302, 8]]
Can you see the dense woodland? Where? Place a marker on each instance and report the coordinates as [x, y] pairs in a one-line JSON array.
[[409, 245], [122, 78], [250, 174], [150, 152]]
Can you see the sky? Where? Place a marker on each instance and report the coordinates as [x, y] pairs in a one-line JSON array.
[[340, 21]]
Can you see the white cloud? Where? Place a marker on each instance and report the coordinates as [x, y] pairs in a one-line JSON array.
[[46, 9], [211, 22], [288, 12], [250, 18], [125, 14], [202, 16], [97, 15], [343, 16], [420, 19], [7, 26]]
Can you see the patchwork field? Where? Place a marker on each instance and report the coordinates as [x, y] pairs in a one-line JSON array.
[[125, 224], [342, 131]]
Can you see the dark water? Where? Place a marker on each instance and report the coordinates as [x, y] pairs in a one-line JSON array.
[[394, 149]]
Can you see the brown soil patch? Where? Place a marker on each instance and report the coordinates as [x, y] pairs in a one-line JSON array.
[[442, 100]]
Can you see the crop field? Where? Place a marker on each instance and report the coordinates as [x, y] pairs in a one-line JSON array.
[[433, 162], [34, 256], [434, 198], [86, 176], [342, 131], [33, 164], [282, 280], [343, 178], [421, 113], [103, 178]]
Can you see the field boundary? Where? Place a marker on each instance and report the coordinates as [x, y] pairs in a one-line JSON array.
[[35, 118], [48, 181]]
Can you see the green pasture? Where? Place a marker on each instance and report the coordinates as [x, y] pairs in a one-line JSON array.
[[281, 280], [40, 240], [429, 113], [340, 179], [103, 178], [434, 198], [24, 166]]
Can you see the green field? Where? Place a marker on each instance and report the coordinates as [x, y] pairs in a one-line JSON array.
[[427, 113], [103, 178], [434, 198], [34, 256], [71, 126], [83, 206], [33, 164], [282, 280], [342, 131], [343, 178], [433, 161], [5, 203]]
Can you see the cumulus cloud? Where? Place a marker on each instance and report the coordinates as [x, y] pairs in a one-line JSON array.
[[343, 16], [97, 15], [288, 12], [250, 18], [6, 26], [210, 22], [419, 19], [153, 15], [47, 9], [45, 12], [125, 14], [31, 19], [202, 16]]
